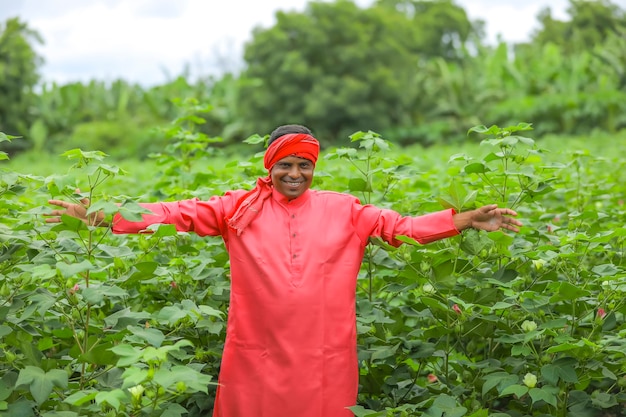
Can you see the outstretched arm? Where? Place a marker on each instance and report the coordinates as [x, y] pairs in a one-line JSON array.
[[489, 218]]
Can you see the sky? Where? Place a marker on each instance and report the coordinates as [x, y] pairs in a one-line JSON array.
[[151, 42]]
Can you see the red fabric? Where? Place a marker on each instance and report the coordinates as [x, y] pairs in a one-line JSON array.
[[291, 341], [248, 206], [296, 144]]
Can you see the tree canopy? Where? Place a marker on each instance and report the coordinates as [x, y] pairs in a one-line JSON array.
[[414, 71], [19, 66], [340, 67]]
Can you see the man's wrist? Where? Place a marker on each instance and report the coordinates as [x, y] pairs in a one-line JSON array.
[[463, 220]]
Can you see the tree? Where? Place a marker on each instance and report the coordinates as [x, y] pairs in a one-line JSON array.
[[591, 23], [340, 68], [444, 28], [19, 75]]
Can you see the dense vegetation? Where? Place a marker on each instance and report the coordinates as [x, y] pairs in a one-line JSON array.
[[415, 71], [481, 325], [484, 324]]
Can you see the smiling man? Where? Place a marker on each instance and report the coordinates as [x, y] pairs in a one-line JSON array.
[[295, 254]]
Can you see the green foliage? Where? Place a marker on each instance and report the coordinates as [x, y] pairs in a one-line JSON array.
[[591, 23], [483, 324], [338, 67], [415, 71], [443, 27], [19, 64]]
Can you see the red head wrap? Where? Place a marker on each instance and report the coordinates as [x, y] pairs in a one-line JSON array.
[[292, 144]]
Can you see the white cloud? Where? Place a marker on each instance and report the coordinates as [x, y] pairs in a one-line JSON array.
[[513, 20]]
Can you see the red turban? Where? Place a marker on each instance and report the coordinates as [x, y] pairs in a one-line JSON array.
[[292, 144]]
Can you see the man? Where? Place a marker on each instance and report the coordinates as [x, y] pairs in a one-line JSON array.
[[295, 254]]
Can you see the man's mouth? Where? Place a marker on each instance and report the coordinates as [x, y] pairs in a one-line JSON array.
[[293, 184]]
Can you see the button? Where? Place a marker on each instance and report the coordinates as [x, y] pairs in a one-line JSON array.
[[295, 256], [293, 216], [294, 235]]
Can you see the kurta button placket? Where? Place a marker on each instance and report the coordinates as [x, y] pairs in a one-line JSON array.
[[296, 264]]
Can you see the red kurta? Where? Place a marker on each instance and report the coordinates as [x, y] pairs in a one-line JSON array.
[[291, 336]]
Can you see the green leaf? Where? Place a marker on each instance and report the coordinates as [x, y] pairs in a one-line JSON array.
[[435, 305], [174, 410], [605, 270], [543, 394], [41, 383], [86, 155], [558, 370], [5, 330], [475, 242], [132, 211], [603, 400], [128, 354], [401, 238], [567, 291], [481, 413], [70, 223], [170, 315], [55, 413], [500, 380], [194, 380], [564, 347], [476, 168], [502, 305], [69, 270], [457, 197], [524, 140], [447, 405], [106, 207], [4, 137], [359, 184], [113, 398], [254, 139], [484, 129], [163, 230], [360, 411], [515, 389], [385, 352], [155, 337], [134, 376]]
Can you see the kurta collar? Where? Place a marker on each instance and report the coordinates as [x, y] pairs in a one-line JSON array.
[[296, 202]]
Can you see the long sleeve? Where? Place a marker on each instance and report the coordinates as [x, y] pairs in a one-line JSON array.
[[388, 224], [205, 218]]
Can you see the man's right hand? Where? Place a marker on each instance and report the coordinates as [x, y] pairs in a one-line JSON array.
[[75, 210]]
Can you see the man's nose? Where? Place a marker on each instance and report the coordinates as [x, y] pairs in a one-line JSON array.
[[294, 172]]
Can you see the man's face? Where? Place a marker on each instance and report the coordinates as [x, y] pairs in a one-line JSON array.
[[292, 176]]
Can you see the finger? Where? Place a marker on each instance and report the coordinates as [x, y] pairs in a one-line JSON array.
[[512, 226], [488, 208], [59, 203], [53, 220]]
